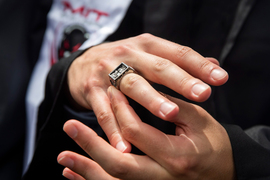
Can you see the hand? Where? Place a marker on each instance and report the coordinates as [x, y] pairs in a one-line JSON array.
[[157, 60], [200, 149]]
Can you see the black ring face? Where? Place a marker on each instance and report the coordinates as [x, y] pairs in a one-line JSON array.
[[118, 73]]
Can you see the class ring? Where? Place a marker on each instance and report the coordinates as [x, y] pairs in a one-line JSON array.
[[118, 73]]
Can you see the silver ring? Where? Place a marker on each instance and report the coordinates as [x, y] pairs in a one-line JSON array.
[[118, 73]]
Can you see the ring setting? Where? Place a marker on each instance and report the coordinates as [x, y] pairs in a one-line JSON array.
[[118, 73]]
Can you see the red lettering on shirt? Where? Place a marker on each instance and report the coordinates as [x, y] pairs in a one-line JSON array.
[[83, 10]]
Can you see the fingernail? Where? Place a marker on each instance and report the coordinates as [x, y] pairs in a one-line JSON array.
[[121, 146], [66, 161], [68, 176], [198, 89], [218, 74], [166, 108], [71, 130]]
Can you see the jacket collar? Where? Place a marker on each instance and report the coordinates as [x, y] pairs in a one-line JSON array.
[[242, 13]]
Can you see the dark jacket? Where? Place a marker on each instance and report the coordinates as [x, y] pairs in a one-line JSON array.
[[236, 32], [21, 31]]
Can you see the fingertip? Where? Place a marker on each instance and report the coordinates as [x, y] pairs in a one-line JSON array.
[[67, 173], [71, 175], [128, 149], [60, 156], [121, 146], [66, 161], [200, 91], [119, 143], [71, 129], [69, 122], [168, 110], [219, 75], [173, 113], [63, 154], [205, 95]]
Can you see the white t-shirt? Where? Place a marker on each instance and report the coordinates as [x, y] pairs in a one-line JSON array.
[[92, 21]]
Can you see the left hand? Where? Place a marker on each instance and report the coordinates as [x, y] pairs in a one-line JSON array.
[[156, 60], [200, 149]]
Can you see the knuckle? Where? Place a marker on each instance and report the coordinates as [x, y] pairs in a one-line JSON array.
[[89, 84], [116, 107], [103, 64], [87, 174], [145, 40], [129, 82], [86, 145], [119, 169], [180, 167], [103, 117], [145, 36], [93, 79], [183, 82], [114, 136], [129, 131], [122, 49], [182, 51], [161, 64], [205, 65], [86, 87]]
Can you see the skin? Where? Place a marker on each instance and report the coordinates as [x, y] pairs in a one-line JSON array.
[[156, 60], [200, 148]]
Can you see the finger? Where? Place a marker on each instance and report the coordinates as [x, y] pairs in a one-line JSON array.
[[81, 167], [165, 72], [137, 88], [150, 140], [92, 94], [190, 115], [69, 174], [106, 119], [213, 60], [169, 151], [184, 57], [114, 162]]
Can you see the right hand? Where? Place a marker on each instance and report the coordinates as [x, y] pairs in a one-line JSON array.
[[156, 60], [200, 148]]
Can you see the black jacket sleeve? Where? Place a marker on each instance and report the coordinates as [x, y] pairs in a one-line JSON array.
[[251, 151], [53, 113]]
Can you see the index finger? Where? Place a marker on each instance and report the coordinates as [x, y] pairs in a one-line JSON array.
[[161, 147], [117, 164], [106, 119], [185, 57]]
